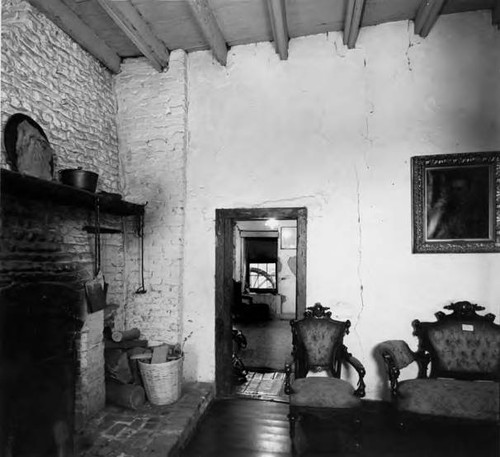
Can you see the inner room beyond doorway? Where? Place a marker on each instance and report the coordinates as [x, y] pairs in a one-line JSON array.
[[265, 264]]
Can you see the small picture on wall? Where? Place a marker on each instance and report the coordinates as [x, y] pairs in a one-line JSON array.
[[455, 205], [288, 237]]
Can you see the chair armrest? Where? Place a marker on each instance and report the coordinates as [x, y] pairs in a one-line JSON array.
[[396, 355], [358, 366], [288, 378]]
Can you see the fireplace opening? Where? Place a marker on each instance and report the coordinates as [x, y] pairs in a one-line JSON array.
[[39, 325]]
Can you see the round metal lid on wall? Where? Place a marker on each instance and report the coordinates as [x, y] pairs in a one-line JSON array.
[[27, 147]]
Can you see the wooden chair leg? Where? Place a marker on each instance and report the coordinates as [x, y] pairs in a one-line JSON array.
[[297, 436], [292, 419], [358, 434]]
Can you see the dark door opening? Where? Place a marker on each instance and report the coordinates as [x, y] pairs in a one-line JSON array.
[[225, 279]]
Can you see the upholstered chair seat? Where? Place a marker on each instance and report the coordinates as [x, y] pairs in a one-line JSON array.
[[320, 392]]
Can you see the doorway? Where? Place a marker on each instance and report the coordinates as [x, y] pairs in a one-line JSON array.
[[226, 220]]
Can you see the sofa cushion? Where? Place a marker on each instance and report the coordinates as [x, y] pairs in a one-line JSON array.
[[451, 398], [321, 392]]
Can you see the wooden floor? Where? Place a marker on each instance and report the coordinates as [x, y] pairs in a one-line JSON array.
[[255, 428]]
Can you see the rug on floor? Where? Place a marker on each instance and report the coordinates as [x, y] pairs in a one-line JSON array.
[[264, 386]]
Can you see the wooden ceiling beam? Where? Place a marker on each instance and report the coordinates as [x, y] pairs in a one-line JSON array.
[[277, 14], [422, 15], [130, 21], [67, 20], [427, 16], [211, 31], [495, 13], [357, 15], [348, 19]]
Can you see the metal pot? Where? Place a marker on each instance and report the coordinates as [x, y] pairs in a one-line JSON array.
[[82, 179]]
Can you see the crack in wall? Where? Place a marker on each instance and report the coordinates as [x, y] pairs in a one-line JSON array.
[[360, 252], [410, 44], [369, 111]]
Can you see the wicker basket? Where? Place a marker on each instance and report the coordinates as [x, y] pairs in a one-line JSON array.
[[162, 381]]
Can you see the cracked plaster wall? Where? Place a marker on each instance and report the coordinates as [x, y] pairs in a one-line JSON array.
[[334, 130]]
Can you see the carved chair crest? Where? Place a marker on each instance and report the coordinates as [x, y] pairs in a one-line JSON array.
[[318, 311]]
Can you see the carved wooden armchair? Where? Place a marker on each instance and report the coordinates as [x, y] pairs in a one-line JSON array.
[[463, 350], [313, 380]]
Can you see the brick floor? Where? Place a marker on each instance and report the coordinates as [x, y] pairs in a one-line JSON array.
[[151, 431]]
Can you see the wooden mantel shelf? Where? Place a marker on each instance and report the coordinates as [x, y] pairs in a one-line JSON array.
[[14, 183]]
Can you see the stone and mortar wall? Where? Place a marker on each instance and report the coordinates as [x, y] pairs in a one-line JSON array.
[[48, 77], [152, 116], [334, 130]]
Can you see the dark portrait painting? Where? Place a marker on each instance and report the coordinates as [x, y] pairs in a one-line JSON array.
[[458, 203]]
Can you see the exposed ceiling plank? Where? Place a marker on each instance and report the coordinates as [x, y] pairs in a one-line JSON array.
[[279, 25], [437, 6], [133, 25], [496, 13], [355, 23], [210, 29], [69, 22], [348, 19], [422, 15], [427, 16]]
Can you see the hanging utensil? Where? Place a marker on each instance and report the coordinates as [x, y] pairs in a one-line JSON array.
[[140, 230], [96, 288]]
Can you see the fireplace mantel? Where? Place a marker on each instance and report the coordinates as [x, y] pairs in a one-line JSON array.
[[14, 183]]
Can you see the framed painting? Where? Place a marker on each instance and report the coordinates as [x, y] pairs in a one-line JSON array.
[[456, 203]]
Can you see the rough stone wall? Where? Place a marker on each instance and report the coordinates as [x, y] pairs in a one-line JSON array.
[[48, 77], [152, 116]]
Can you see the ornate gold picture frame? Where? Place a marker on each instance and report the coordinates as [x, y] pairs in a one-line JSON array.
[[456, 203]]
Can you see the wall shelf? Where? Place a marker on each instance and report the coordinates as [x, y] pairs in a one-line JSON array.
[[20, 185], [102, 230]]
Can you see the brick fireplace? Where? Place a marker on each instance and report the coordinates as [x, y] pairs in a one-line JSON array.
[[51, 345]]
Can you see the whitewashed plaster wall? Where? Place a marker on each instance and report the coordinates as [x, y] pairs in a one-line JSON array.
[[334, 130], [151, 119]]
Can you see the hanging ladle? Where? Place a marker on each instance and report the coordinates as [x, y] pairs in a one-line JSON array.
[[140, 232]]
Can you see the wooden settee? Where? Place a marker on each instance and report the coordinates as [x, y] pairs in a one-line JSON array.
[[459, 367]]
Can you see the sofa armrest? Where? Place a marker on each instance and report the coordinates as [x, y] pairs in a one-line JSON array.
[[396, 355]]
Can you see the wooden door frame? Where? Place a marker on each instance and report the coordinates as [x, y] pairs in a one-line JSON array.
[[225, 220]]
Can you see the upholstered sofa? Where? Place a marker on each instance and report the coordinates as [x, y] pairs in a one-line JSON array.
[[459, 366]]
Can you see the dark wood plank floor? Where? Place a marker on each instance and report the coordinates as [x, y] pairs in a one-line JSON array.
[[256, 428]]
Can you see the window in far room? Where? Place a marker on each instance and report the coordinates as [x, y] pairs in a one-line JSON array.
[[261, 260]]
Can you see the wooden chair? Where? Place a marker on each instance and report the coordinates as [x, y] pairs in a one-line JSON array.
[[313, 380]]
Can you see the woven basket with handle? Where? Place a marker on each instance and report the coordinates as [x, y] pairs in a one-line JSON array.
[[162, 381]]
